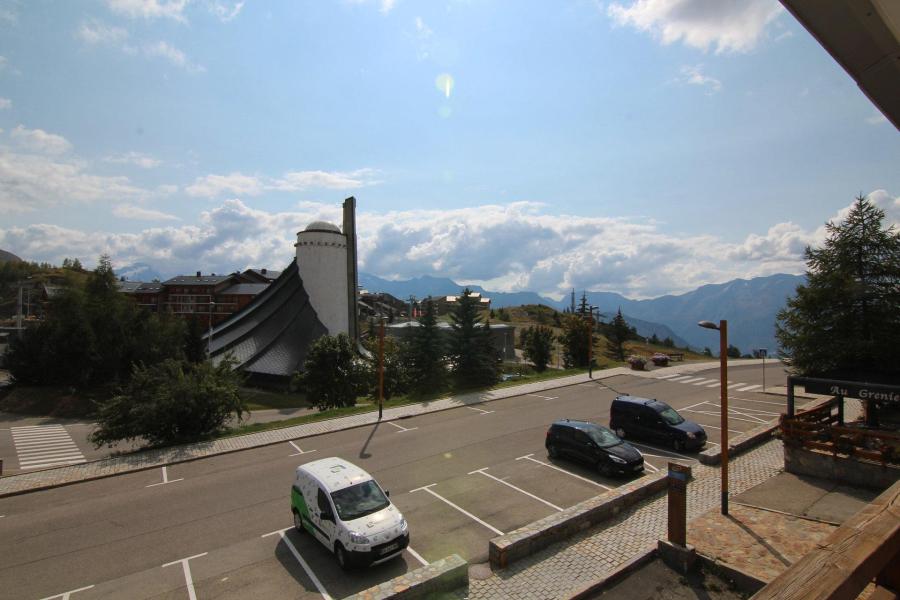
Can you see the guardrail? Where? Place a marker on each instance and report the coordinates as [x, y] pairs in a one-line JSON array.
[[821, 429]]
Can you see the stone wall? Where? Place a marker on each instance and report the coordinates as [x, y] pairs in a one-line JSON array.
[[439, 578], [861, 473]]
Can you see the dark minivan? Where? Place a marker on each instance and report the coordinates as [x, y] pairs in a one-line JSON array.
[[595, 445], [654, 421]]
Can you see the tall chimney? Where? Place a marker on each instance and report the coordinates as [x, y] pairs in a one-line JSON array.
[[198, 273], [352, 276]]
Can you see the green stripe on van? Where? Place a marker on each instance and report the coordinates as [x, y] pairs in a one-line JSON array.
[[299, 504]]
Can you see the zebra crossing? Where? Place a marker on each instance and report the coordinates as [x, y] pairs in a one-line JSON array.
[[39, 446], [710, 383]]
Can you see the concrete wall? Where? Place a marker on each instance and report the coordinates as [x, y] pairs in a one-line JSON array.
[[322, 262], [861, 473]]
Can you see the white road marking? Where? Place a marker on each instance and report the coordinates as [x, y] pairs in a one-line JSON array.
[[717, 413], [309, 572], [780, 404], [65, 595], [554, 467], [681, 378], [428, 489], [44, 446], [299, 451], [704, 425], [165, 475], [712, 385], [518, 489], [481, 410], [187, 573], [693, 379], [749, 387], [400, 427], [661, 450], [705, 382], [666, 376], [417, 556], [693, 405], [647, 464], [544, 397], [734, 385]]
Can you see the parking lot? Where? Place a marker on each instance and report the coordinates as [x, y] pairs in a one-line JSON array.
[[218, 527]]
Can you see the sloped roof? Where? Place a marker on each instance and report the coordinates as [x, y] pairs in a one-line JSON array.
[[194, 280], [245, 289], [272, 334]]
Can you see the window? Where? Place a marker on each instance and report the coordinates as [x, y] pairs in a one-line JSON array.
[[359, 500], [324, 505]]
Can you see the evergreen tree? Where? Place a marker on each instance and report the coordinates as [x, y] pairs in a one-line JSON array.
[[618, 333], [471, 351], [194, 345], [733, 352], [654, 339], [668, 342], [707, 352], [331, 374], [575, 338], [844, 320], [537, 343], [426, 353]]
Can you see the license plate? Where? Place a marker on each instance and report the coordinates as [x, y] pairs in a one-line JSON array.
[[390, 548]]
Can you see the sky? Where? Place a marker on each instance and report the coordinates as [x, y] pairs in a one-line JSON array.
[[644, 147]]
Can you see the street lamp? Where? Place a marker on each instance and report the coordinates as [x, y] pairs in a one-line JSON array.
[[591, 341], [381, 368], [723, 394]]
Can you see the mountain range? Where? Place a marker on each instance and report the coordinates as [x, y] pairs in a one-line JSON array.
[[750, 306]]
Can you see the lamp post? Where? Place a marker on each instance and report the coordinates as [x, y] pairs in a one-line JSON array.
[[723, 394], [591, 342], [381, 369]]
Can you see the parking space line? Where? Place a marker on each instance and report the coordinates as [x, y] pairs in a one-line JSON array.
[[65, 595], [417, 556], [309, 572], [554, 467], [189, 581], [508, 484], [299, 451], [781, 404], [693, 405], [400, 427], [716, 414], [654, 448], [544, 397], [481, 410], [704, 425], [165, 475], [428, 489], [749, 387]]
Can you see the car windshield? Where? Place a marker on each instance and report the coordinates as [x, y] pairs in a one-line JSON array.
[[671, 417], [359, 500], [603, 436]]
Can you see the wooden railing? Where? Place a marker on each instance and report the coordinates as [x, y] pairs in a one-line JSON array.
[[820, 429]]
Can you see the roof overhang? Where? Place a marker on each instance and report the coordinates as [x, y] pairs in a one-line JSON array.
[[863, 36]]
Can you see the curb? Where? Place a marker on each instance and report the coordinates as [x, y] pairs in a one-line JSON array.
[[620, 573], [440, 577], [506, 549]]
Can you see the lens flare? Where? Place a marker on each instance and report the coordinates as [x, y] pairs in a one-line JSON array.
[[444, 83]]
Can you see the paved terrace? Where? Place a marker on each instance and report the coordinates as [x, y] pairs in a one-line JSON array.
[[150, 459]]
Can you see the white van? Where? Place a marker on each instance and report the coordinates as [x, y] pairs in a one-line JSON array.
[[345, 509]]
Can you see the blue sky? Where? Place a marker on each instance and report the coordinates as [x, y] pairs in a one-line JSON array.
[[643, 147]]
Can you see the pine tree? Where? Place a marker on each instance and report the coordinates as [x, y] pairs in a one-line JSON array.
[[537, 343], [844, 320], [618, 332], [471, 350], [426, 353], [575, 338]]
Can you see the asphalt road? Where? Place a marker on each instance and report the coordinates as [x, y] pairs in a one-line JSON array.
[[459, 477]]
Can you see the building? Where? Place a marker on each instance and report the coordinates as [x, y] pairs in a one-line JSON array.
[[446, 304], [315, 295]]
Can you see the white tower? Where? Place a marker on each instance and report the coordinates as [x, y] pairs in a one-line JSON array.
[[322, 263]]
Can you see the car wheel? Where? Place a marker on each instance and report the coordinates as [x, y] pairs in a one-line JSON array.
[[605, 468], [298, 521], [678, 445], [552, 451], [342, 558], [620, 432]]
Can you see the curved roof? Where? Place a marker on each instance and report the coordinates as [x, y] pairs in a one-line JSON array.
[[322, 226], [273, 333]]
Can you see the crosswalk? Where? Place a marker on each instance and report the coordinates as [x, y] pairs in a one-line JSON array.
[[710, 383], [39, 446]]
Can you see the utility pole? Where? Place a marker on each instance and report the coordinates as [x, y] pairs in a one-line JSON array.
[[591, 342], [381, 370]]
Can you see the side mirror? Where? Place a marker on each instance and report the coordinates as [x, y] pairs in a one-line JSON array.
[[387, 493]]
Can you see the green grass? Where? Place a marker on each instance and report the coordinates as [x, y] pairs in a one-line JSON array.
[[260, 399]]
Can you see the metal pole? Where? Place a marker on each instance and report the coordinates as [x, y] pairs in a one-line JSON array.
[[591, 343], [764, 370], [723, 387], [381, 370]]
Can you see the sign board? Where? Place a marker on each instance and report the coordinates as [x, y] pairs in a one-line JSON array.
[[849, 389]]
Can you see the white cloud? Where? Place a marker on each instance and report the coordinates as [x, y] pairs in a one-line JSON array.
[[211, 186], [729, 25], [510, 247], [38, 140], [423, 30], [172, 54], [134, 158], [130, 211], [95, 32], [225, 11], [693, 75], [876, 119], [387, 6], [239, 184], [5, 103], [150, 9]]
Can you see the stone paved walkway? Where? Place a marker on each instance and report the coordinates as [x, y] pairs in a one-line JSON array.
[[561, 569]]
